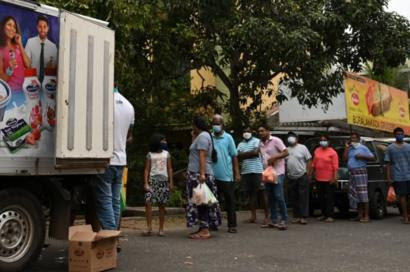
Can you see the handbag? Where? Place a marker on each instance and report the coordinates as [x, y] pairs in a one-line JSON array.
[[269, 175]]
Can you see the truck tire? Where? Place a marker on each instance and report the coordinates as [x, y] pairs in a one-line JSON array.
[[377, 205], [22, 229]]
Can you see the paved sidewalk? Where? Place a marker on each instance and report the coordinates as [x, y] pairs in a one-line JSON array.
[[343, 246]]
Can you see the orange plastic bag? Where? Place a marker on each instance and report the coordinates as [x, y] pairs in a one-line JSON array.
[[391, 195], [269, 175]]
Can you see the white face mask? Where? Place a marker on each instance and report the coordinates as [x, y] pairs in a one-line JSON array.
[[292, 140], [247, 135], [324, 143], [355, 144]]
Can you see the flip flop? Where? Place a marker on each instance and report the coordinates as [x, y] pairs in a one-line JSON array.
[[161, 234], [364, 221], [147, 233], [198, 236]]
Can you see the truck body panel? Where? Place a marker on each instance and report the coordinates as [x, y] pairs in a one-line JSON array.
[[76, 135]]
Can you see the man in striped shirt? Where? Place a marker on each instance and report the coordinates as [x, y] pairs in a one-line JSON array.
[[251, 171]]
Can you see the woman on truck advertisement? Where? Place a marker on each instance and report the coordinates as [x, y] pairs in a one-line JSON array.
[[28, 62]]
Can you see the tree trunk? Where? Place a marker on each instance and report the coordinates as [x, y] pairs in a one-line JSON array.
[[235, 110]]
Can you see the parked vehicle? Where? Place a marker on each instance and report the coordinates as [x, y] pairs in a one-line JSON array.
[[378, 185], [55, 134]]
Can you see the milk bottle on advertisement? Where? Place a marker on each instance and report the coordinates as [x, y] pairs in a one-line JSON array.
[[50, 89], [32, 88]]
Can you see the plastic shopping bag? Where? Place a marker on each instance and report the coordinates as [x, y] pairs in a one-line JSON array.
[[269, 175], [210, 197], [199, 195], [202, 195], [391, 195]]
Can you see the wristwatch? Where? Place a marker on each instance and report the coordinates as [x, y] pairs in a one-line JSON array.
[[9, 71]]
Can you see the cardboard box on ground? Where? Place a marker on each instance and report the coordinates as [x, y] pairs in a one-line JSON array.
[[92, 251]]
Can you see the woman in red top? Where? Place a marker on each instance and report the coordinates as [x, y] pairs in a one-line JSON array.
[[325, 166]]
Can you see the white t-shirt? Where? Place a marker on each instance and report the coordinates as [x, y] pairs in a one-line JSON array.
[[159, 163], [297, 160], [33, 51], [123, 120]]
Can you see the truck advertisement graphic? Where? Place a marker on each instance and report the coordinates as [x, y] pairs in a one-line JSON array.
[[28, 82]]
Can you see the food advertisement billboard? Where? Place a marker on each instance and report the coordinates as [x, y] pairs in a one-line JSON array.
[[374, 105], [28, 81]]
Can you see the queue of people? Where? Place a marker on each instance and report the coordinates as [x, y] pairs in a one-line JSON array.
[[216, 161]]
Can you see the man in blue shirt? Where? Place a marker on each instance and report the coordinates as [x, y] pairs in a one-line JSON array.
[[225, 169], [357, 156], [398, 170]]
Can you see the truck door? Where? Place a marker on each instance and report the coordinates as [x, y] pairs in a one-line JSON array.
[[85, 93]]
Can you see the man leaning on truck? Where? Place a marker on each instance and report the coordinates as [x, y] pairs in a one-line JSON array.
[[108, 185]]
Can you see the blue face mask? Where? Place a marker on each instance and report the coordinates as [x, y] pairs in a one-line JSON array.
[[216, 128], [400, 138], [164, 146]]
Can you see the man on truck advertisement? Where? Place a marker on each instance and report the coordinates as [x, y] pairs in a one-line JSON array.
[[28, 82]]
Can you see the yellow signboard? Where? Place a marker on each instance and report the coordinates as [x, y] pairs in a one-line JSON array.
[[374, 105]]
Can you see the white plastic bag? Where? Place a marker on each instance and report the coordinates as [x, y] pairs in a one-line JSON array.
[[210, 197], [199, 195], [202, 195]]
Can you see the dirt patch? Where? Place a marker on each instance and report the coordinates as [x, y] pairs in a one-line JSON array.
[[139, 224]]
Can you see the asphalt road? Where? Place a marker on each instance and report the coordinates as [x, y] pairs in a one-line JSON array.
[[342, 246]]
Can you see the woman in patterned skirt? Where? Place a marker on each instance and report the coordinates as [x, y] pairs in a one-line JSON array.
[[201, 156], [157, 181]]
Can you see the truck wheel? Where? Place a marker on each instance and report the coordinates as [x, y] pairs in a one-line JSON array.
[[22, 229], [377, 205]]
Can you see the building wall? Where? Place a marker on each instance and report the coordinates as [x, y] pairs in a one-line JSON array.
[[207, 78]]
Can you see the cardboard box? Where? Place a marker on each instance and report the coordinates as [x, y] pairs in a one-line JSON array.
[[90, 251]]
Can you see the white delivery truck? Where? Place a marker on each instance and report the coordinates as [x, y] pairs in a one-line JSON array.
[[56, 121]]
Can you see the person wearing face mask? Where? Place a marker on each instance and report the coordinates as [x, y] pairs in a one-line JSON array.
[[298, 163], [158, 181], [325, 165], [398, 171], [357, 156], [251, 173], [274, 152], [226, 169]]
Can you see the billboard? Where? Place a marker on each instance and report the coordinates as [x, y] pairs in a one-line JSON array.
[[292, 111], [375, 105], [28, 81]]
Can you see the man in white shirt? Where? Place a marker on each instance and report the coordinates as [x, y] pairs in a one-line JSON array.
[[42, 51], [108, 186]]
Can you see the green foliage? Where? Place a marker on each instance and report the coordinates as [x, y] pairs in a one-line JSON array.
[[248, 42], [176, 199], [398, 77]]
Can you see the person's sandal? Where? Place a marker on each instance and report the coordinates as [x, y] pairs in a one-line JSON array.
[[303, 221], [296, 221], [329, 220], [321, 218], [232, 230], [199, 236], [364, 220], [161, 233], [147, 233], [282, 226]]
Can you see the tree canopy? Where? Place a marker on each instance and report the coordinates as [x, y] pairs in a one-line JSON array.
[[248, 42], [245, 43]]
